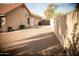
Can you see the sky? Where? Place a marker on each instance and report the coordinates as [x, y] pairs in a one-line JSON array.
[[38, 8]]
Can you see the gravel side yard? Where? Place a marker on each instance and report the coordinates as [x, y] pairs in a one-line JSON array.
[[42, 44]]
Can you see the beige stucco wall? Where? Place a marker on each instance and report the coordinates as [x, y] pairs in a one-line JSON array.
[[64, 26], [72, 19], [37, 20], [60, 28], [34, 21], [17, 17]]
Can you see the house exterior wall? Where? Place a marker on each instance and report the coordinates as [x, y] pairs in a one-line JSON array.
[[31, 22], [37, 20], [34, 21], [17, 17]]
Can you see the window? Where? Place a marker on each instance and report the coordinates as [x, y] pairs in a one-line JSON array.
[[28, 20]]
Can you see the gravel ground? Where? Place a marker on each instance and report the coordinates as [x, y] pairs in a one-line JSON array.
[[43, 44]]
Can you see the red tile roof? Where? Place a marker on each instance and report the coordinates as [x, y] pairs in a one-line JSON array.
[[4, 8]]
